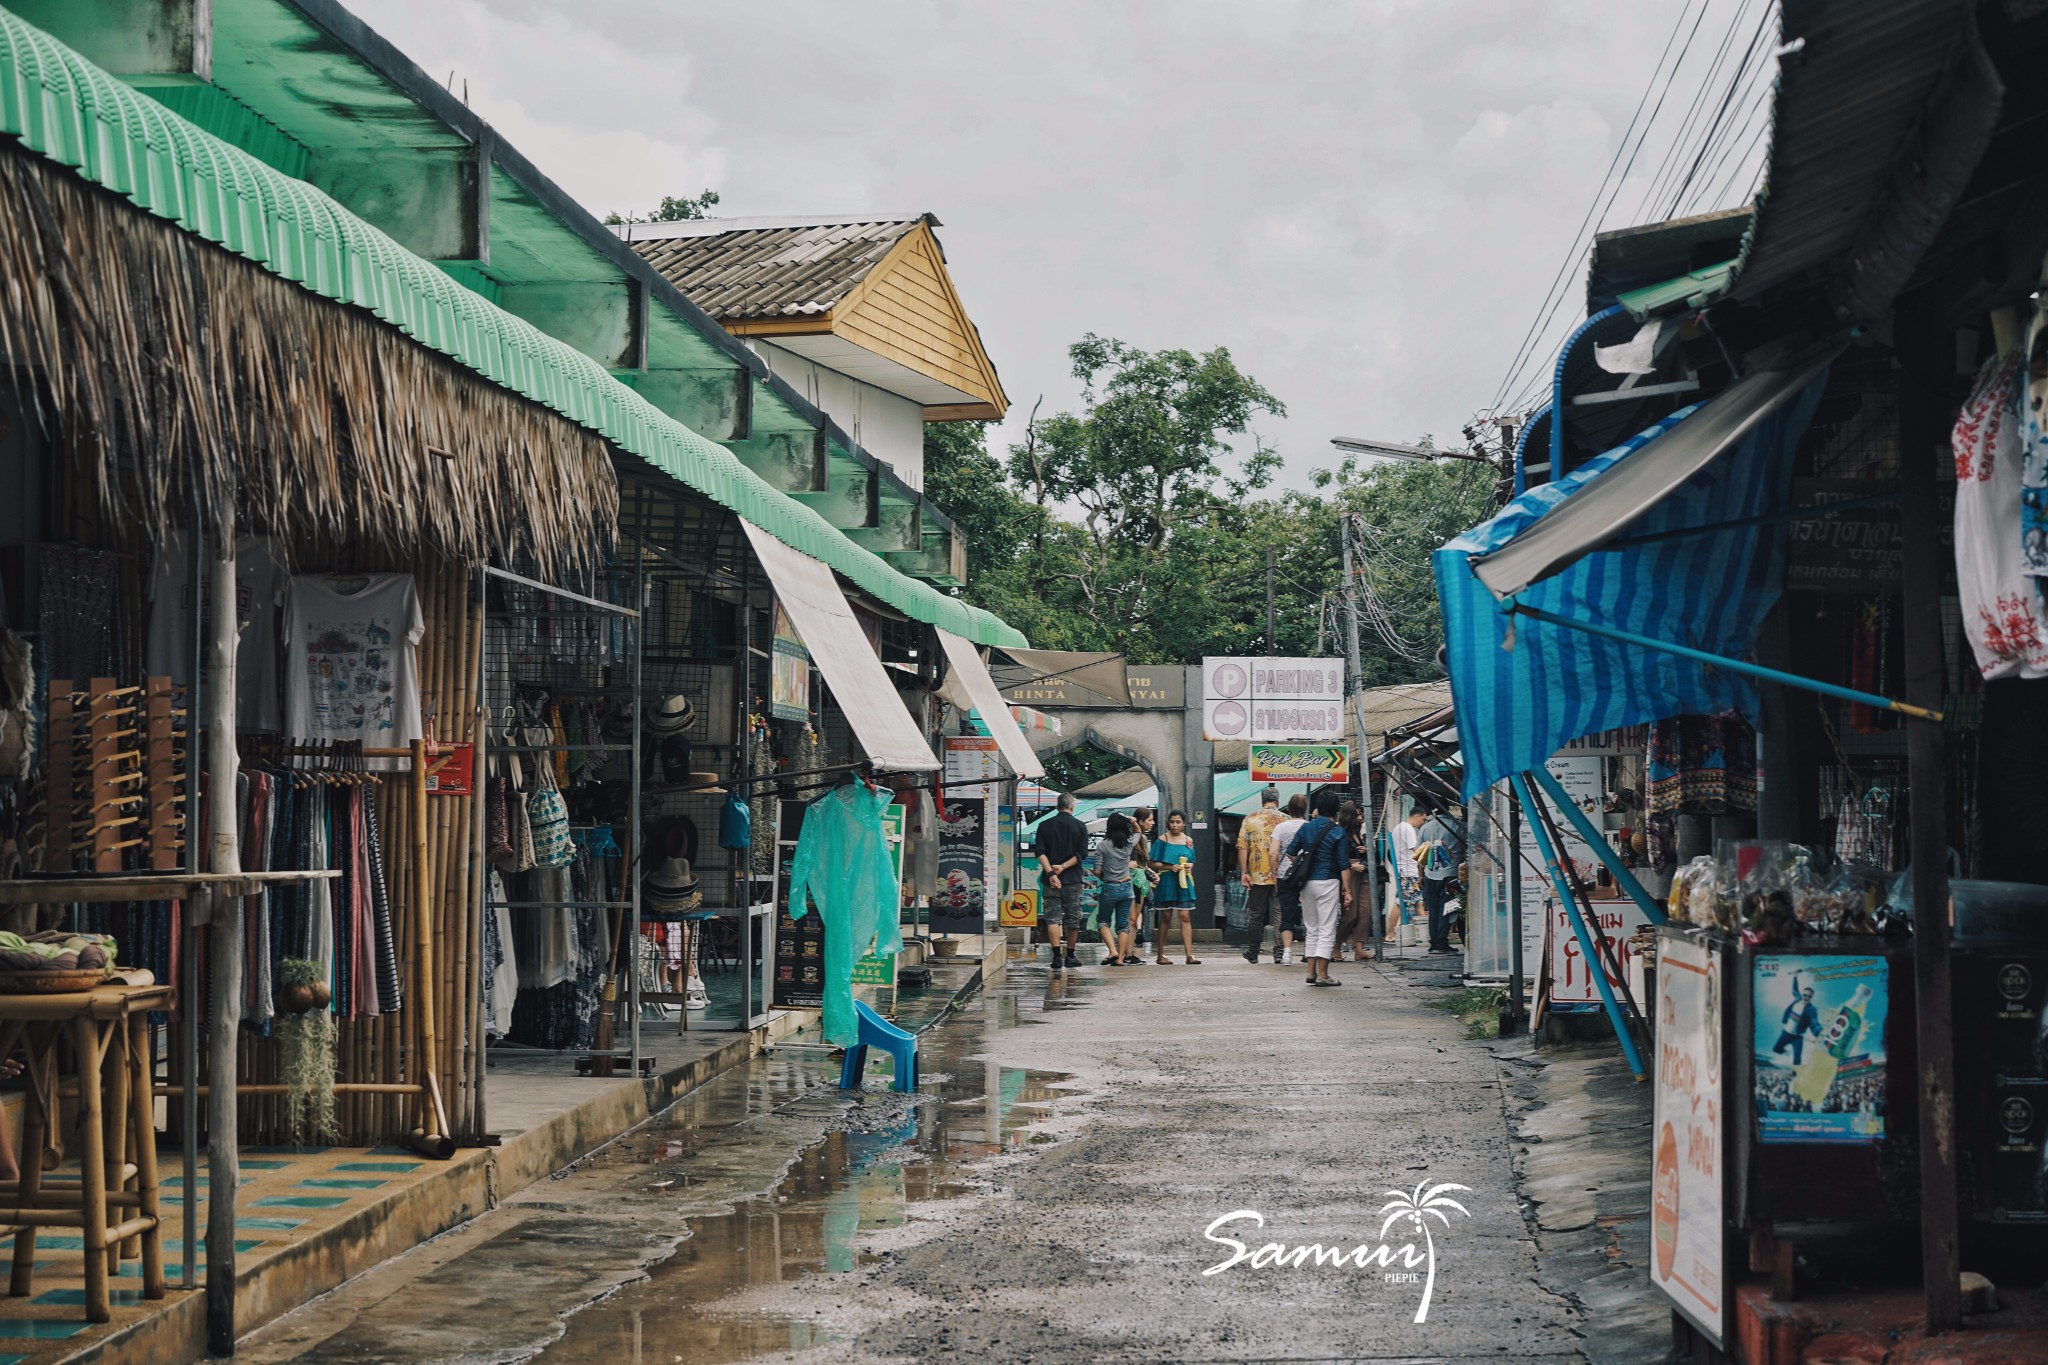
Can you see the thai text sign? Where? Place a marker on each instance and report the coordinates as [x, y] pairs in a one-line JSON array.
[[1319, 763], [1687, 1185], [1272, 699]]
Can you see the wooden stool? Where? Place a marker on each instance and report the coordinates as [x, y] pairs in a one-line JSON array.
[[109, 1032]]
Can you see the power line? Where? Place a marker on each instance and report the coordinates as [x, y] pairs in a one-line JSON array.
[[1514, 366]]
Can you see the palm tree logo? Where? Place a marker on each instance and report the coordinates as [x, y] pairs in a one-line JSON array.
[[1428, 1201]]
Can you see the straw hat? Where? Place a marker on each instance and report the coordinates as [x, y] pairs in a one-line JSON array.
[[673, 715], [671, 889]]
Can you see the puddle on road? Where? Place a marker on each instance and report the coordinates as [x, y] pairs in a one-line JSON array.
[[895, 1152]]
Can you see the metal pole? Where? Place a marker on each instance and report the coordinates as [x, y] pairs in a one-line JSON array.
[[1356, 686], [637, 825], [222, 763], [188, 922], [1626, 879], [1515, 966], [1272, 643], [1595, 965], [1701, 656]]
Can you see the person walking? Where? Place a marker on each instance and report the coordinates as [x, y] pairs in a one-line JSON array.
[[1407, 876], [1255, 854], [1350, 925], [1440, 853], [1172, 856], [1113, 903], [1288, 901], [1144, 819], [1062, 842], [1323, 843]]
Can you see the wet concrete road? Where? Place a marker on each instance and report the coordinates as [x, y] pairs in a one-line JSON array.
[[1045, 1198]]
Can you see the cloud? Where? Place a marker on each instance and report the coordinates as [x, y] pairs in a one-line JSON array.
[[1363, 201]]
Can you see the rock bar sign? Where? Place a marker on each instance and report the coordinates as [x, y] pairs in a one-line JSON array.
[[1272, 699], [1324, 764]]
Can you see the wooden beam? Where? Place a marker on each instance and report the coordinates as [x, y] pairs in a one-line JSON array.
[[1922, 428]]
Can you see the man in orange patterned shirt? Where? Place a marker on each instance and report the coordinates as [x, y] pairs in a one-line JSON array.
[[1255, 858]]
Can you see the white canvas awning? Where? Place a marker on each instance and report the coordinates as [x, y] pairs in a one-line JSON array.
[[970, 675], [1603, 509], [819, 611]]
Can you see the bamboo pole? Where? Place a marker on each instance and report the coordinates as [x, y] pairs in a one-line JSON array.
[[433, 1136], [223, 1160]]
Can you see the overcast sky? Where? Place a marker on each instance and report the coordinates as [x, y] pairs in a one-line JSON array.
[[1363, 201]]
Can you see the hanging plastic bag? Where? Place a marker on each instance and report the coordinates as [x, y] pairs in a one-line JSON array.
[[735, 823]]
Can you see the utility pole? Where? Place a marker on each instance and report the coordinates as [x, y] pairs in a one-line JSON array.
[[1272, 645], [1356, 686]]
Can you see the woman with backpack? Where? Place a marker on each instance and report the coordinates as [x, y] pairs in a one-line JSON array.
[[1317, 858]]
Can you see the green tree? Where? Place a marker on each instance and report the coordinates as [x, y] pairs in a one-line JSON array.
[[673, 210]]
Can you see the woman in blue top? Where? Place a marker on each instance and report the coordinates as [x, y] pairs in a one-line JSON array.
[[1172, 856], [1323, 842]]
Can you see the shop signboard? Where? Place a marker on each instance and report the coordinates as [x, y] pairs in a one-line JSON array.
[[1272, 699], [1580, 776], [1020, 909], [1320, 764], [1857, 551], [1161, 687], [1819, 1066], [1689, 1118], [789, 683], [959, 904]]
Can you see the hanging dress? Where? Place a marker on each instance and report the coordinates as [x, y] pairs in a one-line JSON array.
[[2001, 602]]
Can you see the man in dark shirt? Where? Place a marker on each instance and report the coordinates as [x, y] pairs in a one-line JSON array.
[[1062, 843], [1799, 1019]]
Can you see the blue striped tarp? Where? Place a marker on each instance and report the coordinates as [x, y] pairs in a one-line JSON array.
[[1524, 689]]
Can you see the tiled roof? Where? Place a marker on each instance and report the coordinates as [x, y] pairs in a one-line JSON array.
[[1129, 782], [750, 268]]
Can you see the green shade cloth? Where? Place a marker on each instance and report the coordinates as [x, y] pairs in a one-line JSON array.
[[61, 105]]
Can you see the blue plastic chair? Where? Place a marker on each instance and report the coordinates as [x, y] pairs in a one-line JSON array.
[[875, 1031]]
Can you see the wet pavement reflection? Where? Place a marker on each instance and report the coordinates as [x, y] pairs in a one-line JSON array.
[[886, 1153]]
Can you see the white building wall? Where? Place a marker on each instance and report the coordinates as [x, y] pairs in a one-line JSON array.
[[886, 425]]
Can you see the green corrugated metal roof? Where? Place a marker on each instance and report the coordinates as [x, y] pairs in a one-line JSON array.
[[64, 107]]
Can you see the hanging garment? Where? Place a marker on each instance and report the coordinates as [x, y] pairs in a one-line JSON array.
[[842, 865], [390, 995], [500, 969], [260, 582], [2033, 482], [256, 909], [352, 659], [2002, 606], [1702, 765], [320, 894]]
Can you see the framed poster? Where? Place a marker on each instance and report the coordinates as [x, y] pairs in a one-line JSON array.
[[789, 684], [1819, 1047], [1689, 1124], [958, 905]]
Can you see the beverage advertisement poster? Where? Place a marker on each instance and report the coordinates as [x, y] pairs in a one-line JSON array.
[[958, 904], [1819, 1045], [1687, 1187]]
